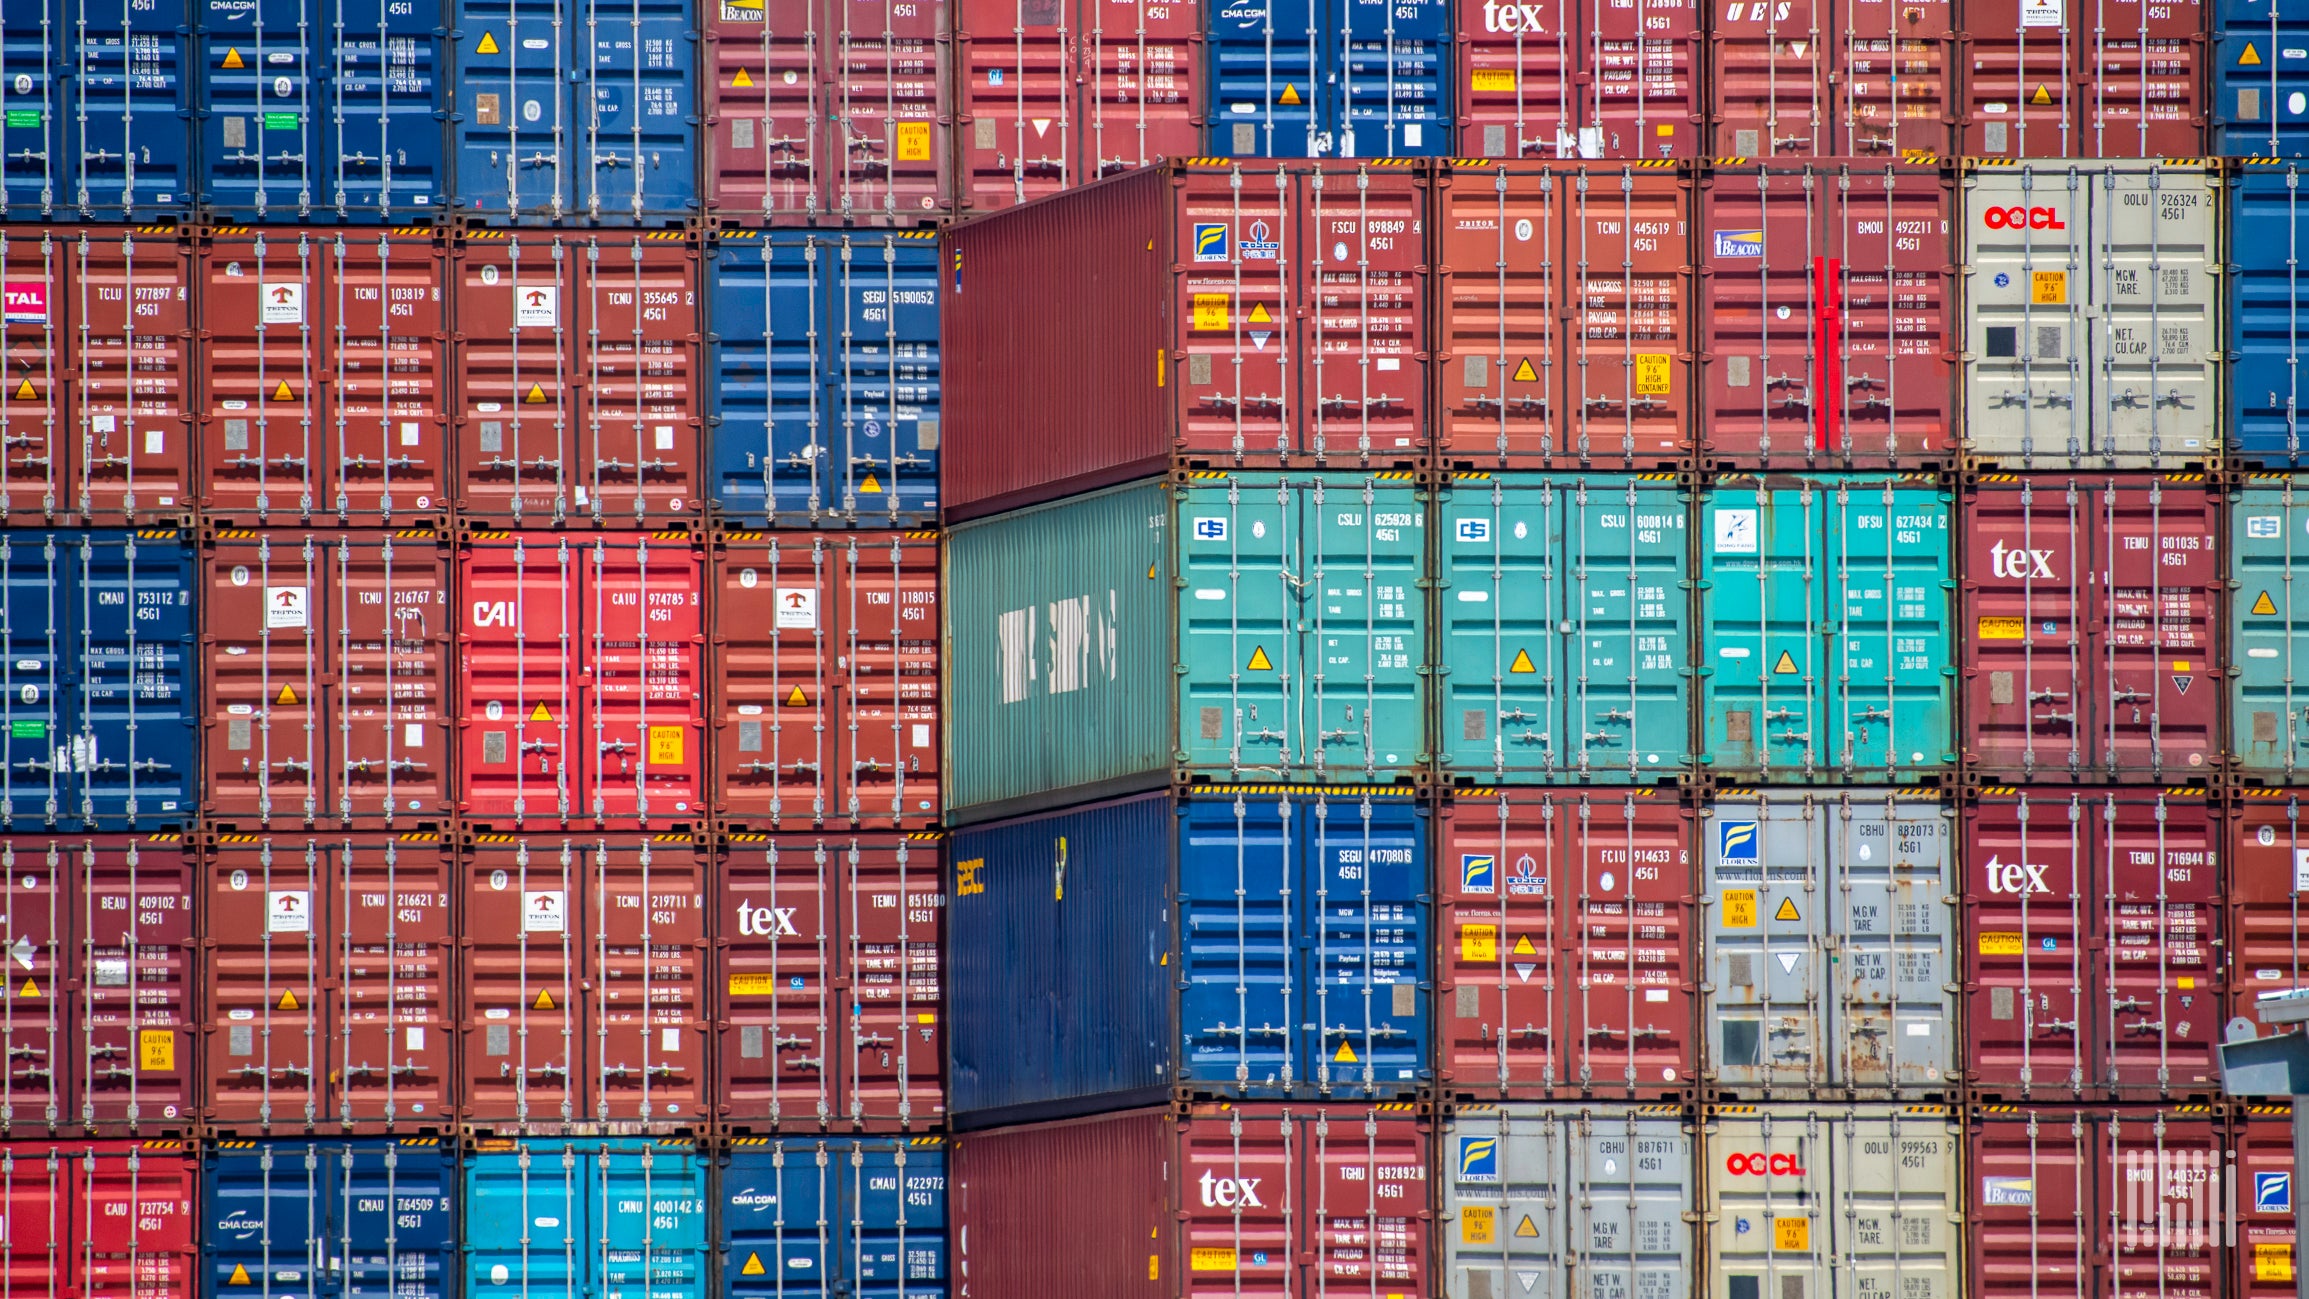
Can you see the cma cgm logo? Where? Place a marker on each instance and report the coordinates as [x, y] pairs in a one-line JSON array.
[[1758, 1165], [2012, 561], [495, 613], [766, 922], [2017, 877], [2023, 218], [1231, 1192]]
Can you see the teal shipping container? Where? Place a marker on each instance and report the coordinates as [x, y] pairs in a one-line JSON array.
[[1826, 606], [2269, 629], [1563, 604], [1230, 627], [615, 1218]]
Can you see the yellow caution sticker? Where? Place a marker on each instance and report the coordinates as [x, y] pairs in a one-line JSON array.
[[1290, 93], [24, 391], [1259, 315], [1792, 1234], [1344, 1055], [1653, 373], [2251, 57], [544, 1002], [926, 1017], [288, 695], [2001, 944], [913, 142], [1523, 946], [753, 1265], [1478, 1224], [1210, 311], [1527, 1229], [796, 699], [665, 744], [488, 44], [2043, 94], [2272, 1262], [1739, 908], [741, 80], [2003, 629], [1786, 667], [1259, 660], [1211, 1258], [1491, 79], [156, 1050], [1524, 373], [288, 1001], [1479, 942], [1154, 1267], [2264, 606], [753, 985], [539, 714], [282, 392], [232, 58], [2048, 288], [1787, 911], [1522, 662], [872, 486], [2186, 983], [535, 396], [2180, 665], [240, 1275], [30, 989]]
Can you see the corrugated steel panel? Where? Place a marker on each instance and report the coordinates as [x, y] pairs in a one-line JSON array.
[[136, 990], [263, 106], [2268, 533], [1578, 79], [388, 152], [34, 174], [1832, 78], [2261, 1251], [2261, 333], [133, 748], [2260, 73], [1592, 1197], [2070, 79], [133, 370], [814, 1218], [889, 111], [2268, 939], [577, 1218], [265, 953], [112, 1219], [363, 1219], [765, 106], [36, 441], [128, 109], [1329, 78], [38, 1029]]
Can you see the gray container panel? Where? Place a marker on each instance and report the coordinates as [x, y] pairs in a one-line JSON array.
[[1551, 1202], [1896, 1221], [1767, 1229], [1895, 930], [1765, 928]]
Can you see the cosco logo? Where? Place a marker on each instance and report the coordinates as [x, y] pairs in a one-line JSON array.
[[2022, 218], [1758, 1165]]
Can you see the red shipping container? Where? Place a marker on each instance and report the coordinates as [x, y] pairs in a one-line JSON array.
[[828, 980], [1564, 336], [2094, 965], [37, 886], [581, 679], [582, 971], [100, 1219], [1579, 79], [2067, 79], [1253, 1200], [1058, 93], [35, 422], [1569, 923], [1832, 78], [826, 692], [132, 977], [1828, 317], [582, 394], [2263, 1254], [133, 375], [1191, 315], [325, 676], [2268, 897], [2091, 628]]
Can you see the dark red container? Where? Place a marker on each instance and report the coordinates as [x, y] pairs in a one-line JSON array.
[[134, 987], [826, 679], [828, 982], [1579, 79], [2109, 79], [581, 682], [35, 416], [100, 1219], [1191, 315], [2091, 627], [1828, 317], [39, 881], [582, 389], [133, 369], [1261, 1199], [2262, 1256], [1569, 930], [1564, 329], [1797, 79], [2268, 896], [2095, 938]]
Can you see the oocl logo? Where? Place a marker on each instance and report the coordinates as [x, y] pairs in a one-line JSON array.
[[1759, 1164], [2023, 218]]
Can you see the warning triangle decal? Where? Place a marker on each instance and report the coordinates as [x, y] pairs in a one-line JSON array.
[[2251, 58], [539, 714], [1522, 662], [1259, 315], [30, 989], [24, 391], [1290, 94], [288, 1001], [2264, 606], [1259, 661], [544, 1001], [240, 1275], [488, 44], [753, 1266], [1786, 666], [1787, 910], [2181, 683], [2043, 94], [232, 58], [1787, 961], [282, 393], [1524, 373], [1525, 1229], [1523, 946], [1344, 1055], [1528, 1276], [871, 487], [1523, 971], [1150, 571], [797, 699], [741, 79], [536, 394], [288, 695], [1041, 124]]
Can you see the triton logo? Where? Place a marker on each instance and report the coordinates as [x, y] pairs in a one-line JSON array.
[[1231, 1192], [2022, 218], [766, 922], [1499, 17], [2012, 561], [2016, 878]]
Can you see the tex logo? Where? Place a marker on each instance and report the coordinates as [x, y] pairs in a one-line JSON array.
[[1739, 243], [1478, 874], [1479, 1159], [1736, 842], [1210, 241], [2272, 1192]]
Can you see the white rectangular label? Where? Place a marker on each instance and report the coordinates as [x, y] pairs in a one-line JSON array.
[[282, 304], [921, 735], [669, 1039], [2043, 13], [413, 734], [537, 306], [1735, 532], [284, 607], [416, 1037], [2301, 870], [288, 911], [797, 608], [544, 911], [408, 433], [152, 439]]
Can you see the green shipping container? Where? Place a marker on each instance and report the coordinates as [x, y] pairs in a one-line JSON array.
[[1232, 627], [2269, 629], [1826, 606], [1564, 604]]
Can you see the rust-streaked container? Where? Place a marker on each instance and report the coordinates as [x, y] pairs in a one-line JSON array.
[[1563, 331], [825, 697], [325, 666], [325, 377], [134, 983], [133, 371], [1792, 79], [2095, 940], [35, 416], [1569, 932], [1579, 79], [582, 379], [101, 1219], [828, 981], [1216, 315], [2092, 646], [1260, 1199], [1828, 316], [2263, 1255], [581, 973], [2109, 79]]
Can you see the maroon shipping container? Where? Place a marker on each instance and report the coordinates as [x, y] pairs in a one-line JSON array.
[[581, 683], [131, 980], [132, 369], [828, 981], [583, 379], [35, 422], [1579, 79], [325, 376], [2083, 79], [2262, 1256], [2268, 896], [582, 970], [1190, 315], [1828, 317], [826, 682], [1832, 78], [1564, 335], [1569, 923], [2091, 628], [325, 676], [2119, 1202], [1057, 93], [100, 1219], [1261, 1200], [38, 879], [2094, 958]]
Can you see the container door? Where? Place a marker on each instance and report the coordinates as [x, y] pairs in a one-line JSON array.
[[260, 123], [894, 962], [393, 1014], [264, 437], [134, 747], [132, 353], [1247, 1232], [263, 1219], [135, 986], [1142, 97], [1766, 339], [889, 615], [265, 651], [2158, 655], [878, 464], [524, 1209], [897, 1239], [130, 108], [2153, 287], [1891, 609], [516, 314], [2147, 96], [643, 402], [518, 754], [1503, 976], [1761, 548], [392, 630], [781, 1219], [1644, 101], [643, 675], [2268, 536], [645, 977], [134, 1226], [1504, 581], [1896, 65], [774, 989], [1353, 599], [1238, 563], [268, 922], [2028, 241], [1240, 915], [1627, 679], [768, 455], [2028, 571], [2163, 1208], [2163, 945], [385, 150], [1894, 923], [1499, 291], [1366, 878], [2263, 1255], [1262, 92], [639, 111], [35, 425], [520, 1025], [1772, 71], [2030, 1201], [775, 635], [889, 106], [1768, 1019], [1627, 368], [1388, 84], [1899, 1200], [1236, 313], [33, 176], [646, 1220], [2029, 907], [1363, 241], [1770, 1210], [1889, 389], [395, 1219], [763, 109], [2260, 81], [1603, 1200], [36, 1193], [1018, 109], [1363, 1223], [389, 326], [42, 1046], [2267, 391], [2023, 60], [516, 125], [2268, 891], [37, 581], [1516, 76]]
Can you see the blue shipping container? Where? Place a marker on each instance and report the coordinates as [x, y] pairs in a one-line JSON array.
[[128, 140], [99, 678], [592, 120], [31, 112], [1330, 78], [2261, 79], [833, 1218], [2268, 288], [359, 1219], [825, 394], [585, 1219], [1249, 943]]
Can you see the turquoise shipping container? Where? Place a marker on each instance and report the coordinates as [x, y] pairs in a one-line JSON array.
[[590, 1218], [2268, 629]]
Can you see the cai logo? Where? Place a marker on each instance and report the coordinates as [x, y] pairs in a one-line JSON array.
[[1210, 241], [1739, 243], [1478, 874], [2272, 1192], [1736, 842], [1479, 1159]]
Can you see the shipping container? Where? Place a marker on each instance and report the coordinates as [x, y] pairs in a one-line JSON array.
[[2091, 338], [1828, 316], [2082, 79], [1595, 1197], [2114, 1202], [561, 121], [1830, 927], [1196, 315], [35, 421], [1261, 1200], [573, 1218], [825, 703], [1563, 338], [1569, 957], [1821, 1200], [101, 1219], [1110, 642], [2261, 334], [2092, 649], [365, 1219], [820, 1217], [1296, 923], [2264, 899], [2260, 75], [1825, 611], [2094, 962], [132, 365], [828, 986], [132, 980], [39, 889], [1833, 78], [581, 679], [824, 351], [582, 968], [129, 130], [325, 666], [2268, 527], [1054, 94], [1328, 78], [1566, 629], [34, 177], [1578, 79], [2260, 1167]]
